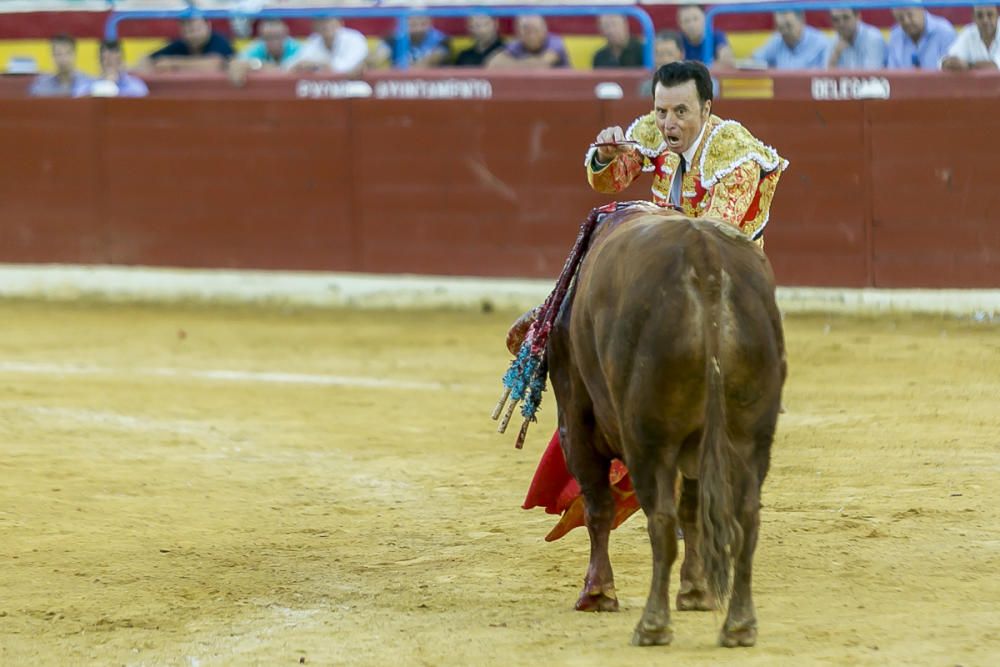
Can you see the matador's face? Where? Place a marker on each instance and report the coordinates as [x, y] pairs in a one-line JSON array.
[[680, 115]]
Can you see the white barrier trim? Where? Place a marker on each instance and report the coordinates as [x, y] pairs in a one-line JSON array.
[[54, 282]]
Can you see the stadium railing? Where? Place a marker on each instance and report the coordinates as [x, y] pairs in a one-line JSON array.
[[400, 13], [708, 45]]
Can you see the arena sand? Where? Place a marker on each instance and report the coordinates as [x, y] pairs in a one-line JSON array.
[[238, 486]]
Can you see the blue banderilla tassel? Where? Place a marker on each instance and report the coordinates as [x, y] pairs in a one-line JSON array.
[[523, 383]]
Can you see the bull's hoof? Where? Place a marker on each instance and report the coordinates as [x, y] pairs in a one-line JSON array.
[[695, 600], [744, 634], [596, 602], [650, 635]]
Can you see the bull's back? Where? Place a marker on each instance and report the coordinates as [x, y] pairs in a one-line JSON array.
[[643, 311]]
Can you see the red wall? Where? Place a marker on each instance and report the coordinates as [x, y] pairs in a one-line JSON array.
[[884, 193]]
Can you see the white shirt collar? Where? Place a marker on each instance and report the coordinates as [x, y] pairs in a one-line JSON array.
[[689, 153]]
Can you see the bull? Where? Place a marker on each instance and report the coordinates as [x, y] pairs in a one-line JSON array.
[[670, 356]]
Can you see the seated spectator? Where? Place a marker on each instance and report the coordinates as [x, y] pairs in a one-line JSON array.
[[691, 20], [67, 81], [199, 49], [978, 45], [856, 45], [795, 45], [668, 48], [428, 46], [270, 51], [919, 39], [332, 47], [622, 50], [272, 48], [486, 41], [114, 80], [534, 46]]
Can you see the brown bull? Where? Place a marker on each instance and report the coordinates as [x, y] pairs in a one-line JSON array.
[[671, 358]]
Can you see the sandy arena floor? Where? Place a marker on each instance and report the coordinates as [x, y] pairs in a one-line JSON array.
[[196, 486]]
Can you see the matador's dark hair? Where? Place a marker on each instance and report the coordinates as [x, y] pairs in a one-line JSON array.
[[675, 74]]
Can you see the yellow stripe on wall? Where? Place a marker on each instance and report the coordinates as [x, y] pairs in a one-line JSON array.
[[747, 89]]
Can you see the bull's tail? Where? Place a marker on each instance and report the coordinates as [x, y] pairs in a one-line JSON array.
[[721, 535]]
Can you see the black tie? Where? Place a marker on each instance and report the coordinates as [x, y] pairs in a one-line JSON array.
[[675, 187]]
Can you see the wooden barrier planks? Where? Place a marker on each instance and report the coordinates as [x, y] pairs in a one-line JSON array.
[[879, 193]]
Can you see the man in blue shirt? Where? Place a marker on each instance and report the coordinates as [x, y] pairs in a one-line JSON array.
[[114, 80], [691, 21], [856, 45], [919, 39], [66, 81], [795, 45], [534, 47], [429, 47]]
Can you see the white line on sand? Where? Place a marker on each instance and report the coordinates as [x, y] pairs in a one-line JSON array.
[[223, 375]]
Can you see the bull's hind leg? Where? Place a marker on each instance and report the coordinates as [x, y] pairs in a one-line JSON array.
[[693, 594], [591, 473], [740, 628], [654, 485]]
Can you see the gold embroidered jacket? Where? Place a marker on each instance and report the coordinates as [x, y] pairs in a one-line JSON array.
[[732, 175]]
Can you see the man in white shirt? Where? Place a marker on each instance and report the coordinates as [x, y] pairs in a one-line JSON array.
[[331, 48], [978, 45]]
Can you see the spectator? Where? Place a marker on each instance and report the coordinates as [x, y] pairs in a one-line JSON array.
[[668, 48], [691, 20], [977, 46], [332, 47], [795, 45], [270, 51], [622, 50], [114, 80], [272, 48], [199, 49], [428, 46], [534, 46], [919, 39], [486, 41], [856, 45], [67, 81]]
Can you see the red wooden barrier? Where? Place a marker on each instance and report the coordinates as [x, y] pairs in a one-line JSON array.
[[881, 193]]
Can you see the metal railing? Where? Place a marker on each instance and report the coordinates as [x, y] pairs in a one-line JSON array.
[[708, 45], [401, 14]]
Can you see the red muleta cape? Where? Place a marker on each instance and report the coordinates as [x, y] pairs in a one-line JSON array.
[[555, 489]]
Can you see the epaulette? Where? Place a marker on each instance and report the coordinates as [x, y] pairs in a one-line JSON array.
[[644, 131], [731, 145]]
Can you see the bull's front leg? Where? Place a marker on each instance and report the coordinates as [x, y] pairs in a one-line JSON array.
[[598, 592]]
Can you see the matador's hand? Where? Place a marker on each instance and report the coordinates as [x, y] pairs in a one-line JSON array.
[[518, 330], [610, 135]]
